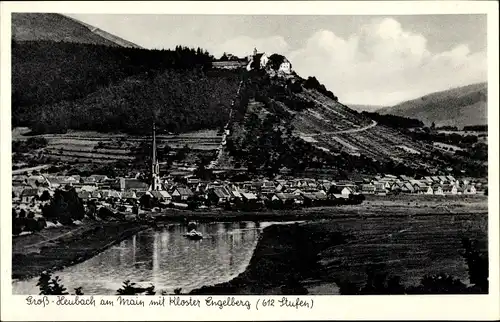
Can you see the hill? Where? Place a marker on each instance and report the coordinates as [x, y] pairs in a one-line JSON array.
[[365, 108], [57, 27], [459, 107], [51, 81], [273, 122]]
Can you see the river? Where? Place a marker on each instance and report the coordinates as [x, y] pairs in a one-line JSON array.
[[164, 258]]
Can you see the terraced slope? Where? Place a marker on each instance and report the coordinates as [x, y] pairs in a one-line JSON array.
[[327, 116], [335, 128], [105, 148]]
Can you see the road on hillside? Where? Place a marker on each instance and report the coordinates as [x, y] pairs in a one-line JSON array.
[[361, 129]]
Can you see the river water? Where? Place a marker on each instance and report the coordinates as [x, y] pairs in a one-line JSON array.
[[164, 258]]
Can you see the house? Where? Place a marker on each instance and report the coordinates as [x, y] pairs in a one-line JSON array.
[[139, 194], [429, 191], [99, 177], [387, 183], [95, 195], [161, 195], [310, 199], [368, 189], [193, 183], [129, 195], [259, 59], [420, 187], [219, 195], [451, 179], [437, 190], [288, 198], [443, 179], [380, 189], [28, 195], [182, 194], [325, 186], [428, 180], [267, 187], [84, 195], [285, 67], [249, 197], [396, 187], [449, 189], [469, 190], [132, 184], [342, 189], [407, 188], [405, 178], [314, 198], [235, 195], [435, 179], [112, 194], [89, 187]]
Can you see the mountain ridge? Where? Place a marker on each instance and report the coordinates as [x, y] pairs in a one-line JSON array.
[[59, 27], [458, 106]]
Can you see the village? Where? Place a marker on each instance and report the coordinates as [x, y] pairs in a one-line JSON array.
[[31, 192]]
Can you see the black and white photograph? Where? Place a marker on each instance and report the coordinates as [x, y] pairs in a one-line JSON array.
[[188, 154]]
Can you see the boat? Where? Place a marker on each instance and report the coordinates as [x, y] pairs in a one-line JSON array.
[[194, 235]]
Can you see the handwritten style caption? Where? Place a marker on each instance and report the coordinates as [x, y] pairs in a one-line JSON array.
[[258, 303]]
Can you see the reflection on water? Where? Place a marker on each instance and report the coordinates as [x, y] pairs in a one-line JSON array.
[[164, 258]]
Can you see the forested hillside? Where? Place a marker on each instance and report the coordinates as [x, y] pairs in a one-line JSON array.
[[60, 86], [182, 101]]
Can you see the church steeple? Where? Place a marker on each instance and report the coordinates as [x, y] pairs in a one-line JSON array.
[[155, 166]]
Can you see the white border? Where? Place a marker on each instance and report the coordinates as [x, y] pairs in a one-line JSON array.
[[326, 307]]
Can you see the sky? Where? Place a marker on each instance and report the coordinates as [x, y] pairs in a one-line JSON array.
[[368, 60]]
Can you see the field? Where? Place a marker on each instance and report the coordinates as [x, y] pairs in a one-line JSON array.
[[88, 146], [326, 253], [409, 247]]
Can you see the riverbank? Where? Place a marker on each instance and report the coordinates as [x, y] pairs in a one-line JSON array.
[[56, 248], [285, 256], [373, 206], [318, 257], [31, 255]]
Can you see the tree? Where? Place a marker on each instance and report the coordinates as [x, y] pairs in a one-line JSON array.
[[129, 288], [50, 286], [146, 201], [45, 196], [224, 57], [64, 207], [477, 263]]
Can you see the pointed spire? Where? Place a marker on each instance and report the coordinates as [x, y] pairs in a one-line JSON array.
[[154, 143]]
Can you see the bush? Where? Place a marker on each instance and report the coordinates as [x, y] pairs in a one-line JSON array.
[[129, 288], [313, 83]]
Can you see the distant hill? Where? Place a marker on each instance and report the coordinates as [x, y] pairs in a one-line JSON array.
[[365, 108], [459, 106], [57, 27]]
